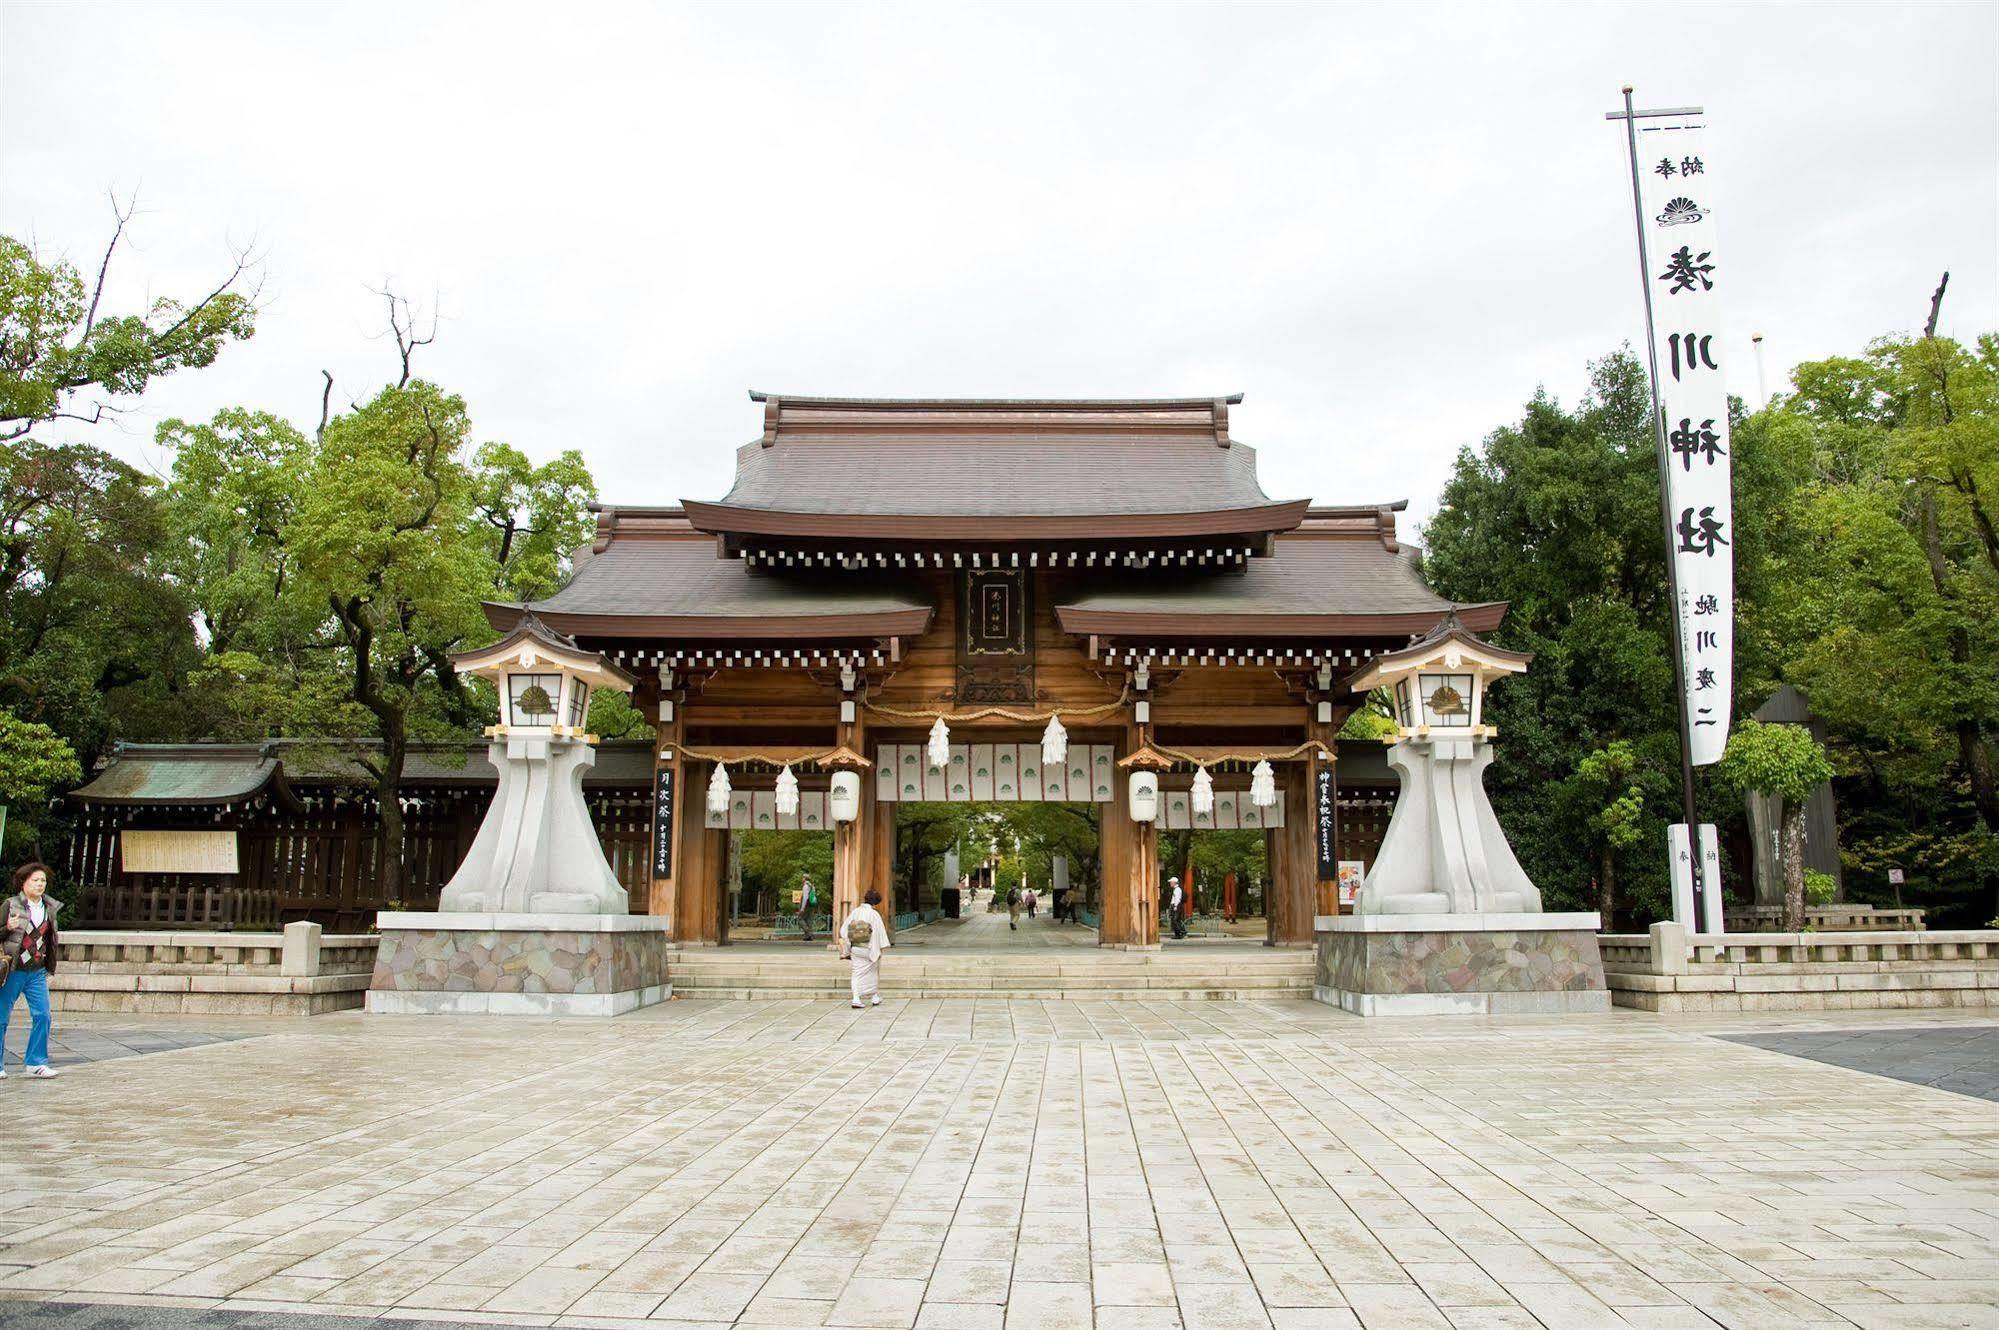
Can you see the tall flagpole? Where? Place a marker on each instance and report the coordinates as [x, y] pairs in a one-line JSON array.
[[1679, 642]]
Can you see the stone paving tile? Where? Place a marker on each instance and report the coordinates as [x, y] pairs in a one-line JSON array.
[[962, 1166], [71, 1044], [1951, 1057]]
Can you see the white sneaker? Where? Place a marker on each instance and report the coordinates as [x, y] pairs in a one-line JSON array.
[[3, 1073], [857, 1006], [43, 1072], [877, 1002]]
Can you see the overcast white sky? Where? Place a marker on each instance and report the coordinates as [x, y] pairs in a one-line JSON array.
[[1386, 225]]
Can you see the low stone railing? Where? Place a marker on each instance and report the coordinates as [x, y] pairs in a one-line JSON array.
[[299, 972], [1824, 918], [1670, 970]]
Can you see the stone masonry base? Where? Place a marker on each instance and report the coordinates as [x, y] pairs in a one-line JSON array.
[[436, 964], [1474, 965]]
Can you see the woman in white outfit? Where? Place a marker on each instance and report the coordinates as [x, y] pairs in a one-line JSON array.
[[862, 938]]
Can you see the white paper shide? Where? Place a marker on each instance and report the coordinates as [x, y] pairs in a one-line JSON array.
[[1687, 277]]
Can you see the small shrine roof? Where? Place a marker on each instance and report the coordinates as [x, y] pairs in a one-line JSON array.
[[649, 573], [964, 469], [158, 775], [1310, 586], [215, 774]]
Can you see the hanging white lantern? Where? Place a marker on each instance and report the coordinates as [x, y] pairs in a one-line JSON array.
[[787, 792], [1262, 784], [1203, 791], [718, 790], [940, 745], [1054, 743]]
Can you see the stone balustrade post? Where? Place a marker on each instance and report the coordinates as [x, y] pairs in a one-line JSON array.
[[301, 950], [1669, 948]]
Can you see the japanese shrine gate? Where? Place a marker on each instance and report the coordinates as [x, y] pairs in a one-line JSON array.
[[883, 564]]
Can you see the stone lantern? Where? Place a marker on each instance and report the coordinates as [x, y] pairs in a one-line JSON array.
[[536, 851], [534, 922], [1447, 920]]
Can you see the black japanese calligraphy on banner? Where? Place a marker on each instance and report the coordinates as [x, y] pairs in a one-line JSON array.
[[1688, 274], [662, 823], [1325, 822]]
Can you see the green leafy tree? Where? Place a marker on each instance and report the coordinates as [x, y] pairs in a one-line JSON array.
[[35, 761], [1373, 719], [58, 343], [94, 637], [384, 535], [1606, 795], [775, 862], [1212, 855], [1785, 762], [1886, 614], [535, 515]]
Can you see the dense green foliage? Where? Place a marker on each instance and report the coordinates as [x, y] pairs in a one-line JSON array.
[[57, 345], [35, 761], [1865, 570], [279, 583], [1780, 760]]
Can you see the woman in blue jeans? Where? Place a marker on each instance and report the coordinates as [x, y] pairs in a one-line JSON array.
[[29, 944]]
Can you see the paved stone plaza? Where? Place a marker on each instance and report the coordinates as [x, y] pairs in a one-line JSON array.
[[1007, 1165]]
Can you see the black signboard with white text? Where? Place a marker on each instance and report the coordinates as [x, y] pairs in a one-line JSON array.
[[1325, 800], [662, 823]]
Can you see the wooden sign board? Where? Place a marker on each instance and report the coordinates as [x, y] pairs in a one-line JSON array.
[[178, 851]]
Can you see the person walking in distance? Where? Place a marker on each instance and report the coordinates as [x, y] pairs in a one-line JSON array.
[[862, 938], [805, 906], [1032, 902], [1175, 903], [28, 958], [1012, 908]]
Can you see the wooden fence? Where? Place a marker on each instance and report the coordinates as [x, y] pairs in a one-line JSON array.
[[324, 865]]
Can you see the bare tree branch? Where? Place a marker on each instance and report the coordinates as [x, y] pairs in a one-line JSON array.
[[1936, 307], [123, 215], [325, 404], [406, 324]]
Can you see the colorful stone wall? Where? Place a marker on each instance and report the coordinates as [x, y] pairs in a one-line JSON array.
[[462, 964], [1432, 970]]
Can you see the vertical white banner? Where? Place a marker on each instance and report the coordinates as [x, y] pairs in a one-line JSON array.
[[1687, 277]]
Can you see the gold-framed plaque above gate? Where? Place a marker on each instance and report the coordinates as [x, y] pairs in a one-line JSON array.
[[995, 635]]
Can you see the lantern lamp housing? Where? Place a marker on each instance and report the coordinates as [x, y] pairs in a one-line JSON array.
[[1439, 681], [1142, 794], [843, 797], [544, 680]]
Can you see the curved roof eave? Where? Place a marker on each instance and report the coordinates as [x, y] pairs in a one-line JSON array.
[[728, 519], [790, 627], [1194, 624]]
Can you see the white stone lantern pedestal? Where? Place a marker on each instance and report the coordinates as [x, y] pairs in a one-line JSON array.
[[1447, 920], [534, 922]]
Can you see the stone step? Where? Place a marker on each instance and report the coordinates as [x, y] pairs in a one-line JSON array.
[[891, 993], [1287, 984], [785, 979]]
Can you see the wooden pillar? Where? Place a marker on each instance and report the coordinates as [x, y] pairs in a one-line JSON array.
[[666, 757], [1277, 891], [698, 917], [853, 842], [1129, 869], [881, 859], [1293, 863]]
